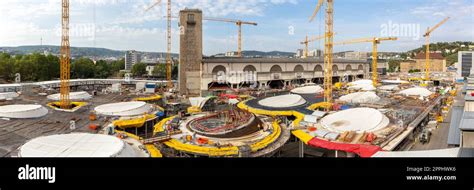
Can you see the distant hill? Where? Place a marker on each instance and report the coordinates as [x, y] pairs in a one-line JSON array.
[[448, 49], [75, 51]]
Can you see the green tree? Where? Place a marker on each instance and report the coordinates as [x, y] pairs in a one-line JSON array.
[[159, 71], [7, 67], [102, 69], [117, 66], [451, 59], [393, 65], [139, 69], [82, 68], [53, 67]]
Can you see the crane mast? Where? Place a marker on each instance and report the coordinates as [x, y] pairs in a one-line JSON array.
[[168, 41], [65, 58], [328, 46], [375, 42], [427, 35]]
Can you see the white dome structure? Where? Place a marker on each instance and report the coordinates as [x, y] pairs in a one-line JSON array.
[[283, 101], [398, 81], [73, 96], [360, 97], [315, 89], [8, 95], [124, 109], [357, 119], [77, 145], [389, 87], [364, 85], [417, 91], [23, 111], [361, 82]]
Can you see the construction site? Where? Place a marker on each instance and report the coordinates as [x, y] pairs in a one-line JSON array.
[[235, 106]]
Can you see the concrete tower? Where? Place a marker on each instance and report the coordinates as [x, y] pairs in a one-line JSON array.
[[190, 52]]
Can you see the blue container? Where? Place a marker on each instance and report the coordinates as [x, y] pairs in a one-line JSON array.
[[160, 114], [345, 107]]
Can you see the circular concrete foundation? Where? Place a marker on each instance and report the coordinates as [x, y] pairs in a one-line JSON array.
[[76, 145], [124, 109], [357, 119], [283, 101], [23, 111], [72, 96]]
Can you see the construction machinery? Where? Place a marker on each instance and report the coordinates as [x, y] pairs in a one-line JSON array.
[[65, 58], [375, 41], [427, 35], [309, 40], [239, 23], [328, 46], [168, 37]]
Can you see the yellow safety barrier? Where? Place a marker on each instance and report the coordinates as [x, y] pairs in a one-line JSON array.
[[76, 104], [133, 123], [305, 137], [267, 140], [160, 108], [159, 126], [154, 152], [194, 109], [230, 150], [299, 116], [210, 151], [325, 105], [150, 98]]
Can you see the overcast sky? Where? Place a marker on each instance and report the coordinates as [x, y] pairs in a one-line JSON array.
[[282, 24]]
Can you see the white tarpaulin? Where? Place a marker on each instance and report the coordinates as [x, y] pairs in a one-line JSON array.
[[389, 87], [308, 90], [398, 81], [417, 91], [360, 97]]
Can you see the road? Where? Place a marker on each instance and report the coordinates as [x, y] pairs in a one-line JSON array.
[[439, 138]]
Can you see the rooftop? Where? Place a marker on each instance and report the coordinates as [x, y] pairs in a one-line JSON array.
[[454, 132], [275, 60]]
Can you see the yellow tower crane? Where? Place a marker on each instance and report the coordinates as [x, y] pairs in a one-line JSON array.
[[309, 40], [328, 46], [427, 35], [239, 23], [375, 41], [65, 58], [168, 37]]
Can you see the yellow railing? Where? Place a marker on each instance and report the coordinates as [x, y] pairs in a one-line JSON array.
[[159, 126], [154, 152], [269, 139], [210, 151], [299, 116], [150, 98], [133, 123]]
